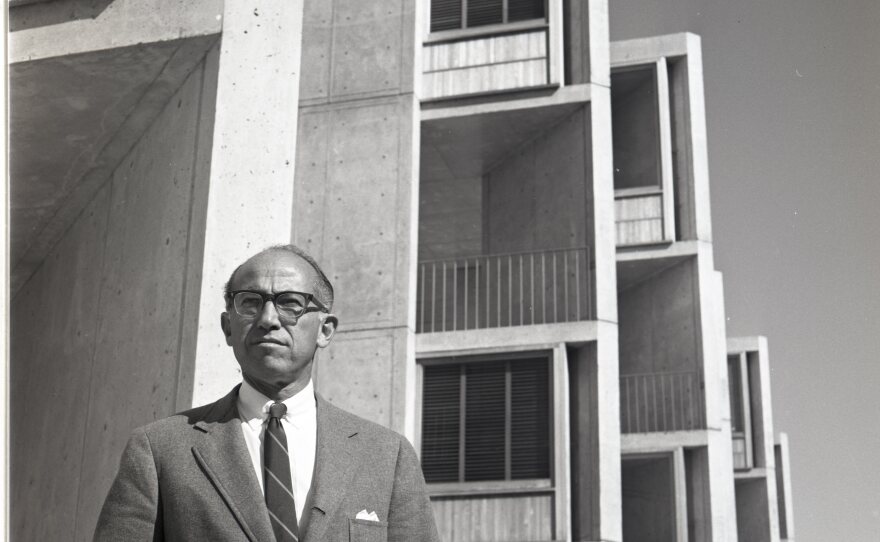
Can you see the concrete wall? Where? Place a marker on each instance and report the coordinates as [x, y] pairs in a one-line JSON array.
[[96, 339], [752, 507], [356, 197], [659, 325], [450, 216], [648, 499], [536, 199]]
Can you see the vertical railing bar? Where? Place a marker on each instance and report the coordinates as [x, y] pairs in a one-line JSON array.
[[466, 293], [645, 405], [555, 294], [565, 283], [521, 300], [444, 296], [454, 295], [422, 308], [477, 295], [628, 407], [532, 283], [509, 290], [589, 276], [654, 401], [433, 295], [543, 290], [637, 405], [663, 399], [488, 308], [577, 284], [498, 297]]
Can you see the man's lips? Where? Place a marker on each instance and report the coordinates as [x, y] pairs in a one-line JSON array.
[[268, 340]]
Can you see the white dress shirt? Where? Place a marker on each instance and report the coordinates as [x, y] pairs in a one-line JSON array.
[[300, 427]]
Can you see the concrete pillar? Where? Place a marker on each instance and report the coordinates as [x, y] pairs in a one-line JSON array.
[[4, 319], [245, 204], [356, 198]]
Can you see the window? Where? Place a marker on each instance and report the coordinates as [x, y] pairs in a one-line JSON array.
[[456, 14], [486, 419]]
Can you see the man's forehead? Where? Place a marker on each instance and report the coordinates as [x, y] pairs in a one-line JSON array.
[[279, 266]]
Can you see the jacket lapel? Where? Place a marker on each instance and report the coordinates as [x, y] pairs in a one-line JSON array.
[[226, 461], [335, 463]]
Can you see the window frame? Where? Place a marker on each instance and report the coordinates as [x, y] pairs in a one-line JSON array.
[[507, 485]]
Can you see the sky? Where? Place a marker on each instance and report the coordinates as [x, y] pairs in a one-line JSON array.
[[793, 117]]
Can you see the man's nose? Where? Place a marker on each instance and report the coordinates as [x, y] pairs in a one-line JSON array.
[[268, 317]]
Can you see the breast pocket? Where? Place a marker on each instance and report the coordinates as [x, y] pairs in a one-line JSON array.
[[363, 530]]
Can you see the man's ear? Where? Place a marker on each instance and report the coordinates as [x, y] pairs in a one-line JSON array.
[[328, 328], [226, 327]]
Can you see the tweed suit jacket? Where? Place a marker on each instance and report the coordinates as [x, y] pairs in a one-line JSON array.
[[190, 477]]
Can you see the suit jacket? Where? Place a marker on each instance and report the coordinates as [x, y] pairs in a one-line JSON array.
[[190, 477]]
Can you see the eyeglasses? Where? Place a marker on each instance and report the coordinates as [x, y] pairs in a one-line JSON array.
[[289, 305]]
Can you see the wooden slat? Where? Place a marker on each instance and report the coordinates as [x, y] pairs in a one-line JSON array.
[[490, 519]]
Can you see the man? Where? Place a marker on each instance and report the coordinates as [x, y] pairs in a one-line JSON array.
[[271, 460]]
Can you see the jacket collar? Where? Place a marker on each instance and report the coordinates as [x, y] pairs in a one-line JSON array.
[[224, 457], [335, 462]]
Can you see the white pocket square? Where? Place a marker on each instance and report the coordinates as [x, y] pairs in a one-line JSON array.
[[369, 516]]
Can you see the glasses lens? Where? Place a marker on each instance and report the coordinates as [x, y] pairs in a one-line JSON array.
[[290, 304], [247, 303]]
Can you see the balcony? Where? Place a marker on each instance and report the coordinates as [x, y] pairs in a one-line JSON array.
[[501, 290], [484, 46], [661, 402]]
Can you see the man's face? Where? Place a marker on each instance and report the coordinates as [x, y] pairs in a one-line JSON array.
[[273, 353]]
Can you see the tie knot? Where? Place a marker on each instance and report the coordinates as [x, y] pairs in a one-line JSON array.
[[277, 410]]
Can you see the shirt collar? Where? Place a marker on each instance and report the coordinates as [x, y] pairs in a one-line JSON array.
[[253, 406]]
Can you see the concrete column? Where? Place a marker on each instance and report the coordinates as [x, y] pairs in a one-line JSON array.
[[244, 204], [4, 315], [356, 198], [717, 398]]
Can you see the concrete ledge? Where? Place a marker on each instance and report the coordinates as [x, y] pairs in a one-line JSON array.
[[662, 442], [678, 249], [504, 339], [751, 474], [644, 50], [571, 95]]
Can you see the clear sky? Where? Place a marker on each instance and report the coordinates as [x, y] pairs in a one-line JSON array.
[[793, 113]]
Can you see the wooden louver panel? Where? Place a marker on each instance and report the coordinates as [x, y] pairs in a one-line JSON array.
[[445, 15], [524, 10], [501, 410], [484, 12]]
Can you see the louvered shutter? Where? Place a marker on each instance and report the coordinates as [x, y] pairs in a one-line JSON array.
[[530, 419], [524, 10], [483, 12], [485, 421], [441, 416], [445, 15]]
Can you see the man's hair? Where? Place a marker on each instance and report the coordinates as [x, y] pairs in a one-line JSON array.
[[323, 288]]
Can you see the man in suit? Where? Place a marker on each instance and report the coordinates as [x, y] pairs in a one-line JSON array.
[[271, 460]]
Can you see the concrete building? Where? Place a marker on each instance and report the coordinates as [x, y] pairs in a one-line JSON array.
[[514, 212]]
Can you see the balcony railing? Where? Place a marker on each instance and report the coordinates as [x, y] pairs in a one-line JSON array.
[[500, 290], [660, 402]]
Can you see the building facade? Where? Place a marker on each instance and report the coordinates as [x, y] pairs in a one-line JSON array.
[[513, 209]]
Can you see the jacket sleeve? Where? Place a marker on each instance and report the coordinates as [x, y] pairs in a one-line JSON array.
[[131, 511], [410, 514]]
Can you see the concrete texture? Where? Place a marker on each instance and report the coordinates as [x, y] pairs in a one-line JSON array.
[[119, 271], [253, 144], [355, 199], [90, 109], [659, 323], [648, 499]]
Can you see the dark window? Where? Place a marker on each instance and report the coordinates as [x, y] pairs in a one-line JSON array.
[[734, 376], [456, 14], [486, 420]]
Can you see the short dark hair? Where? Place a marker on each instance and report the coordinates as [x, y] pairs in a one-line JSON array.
[[323, 287]]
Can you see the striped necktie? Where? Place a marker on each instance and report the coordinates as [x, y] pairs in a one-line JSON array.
[[277, 479]]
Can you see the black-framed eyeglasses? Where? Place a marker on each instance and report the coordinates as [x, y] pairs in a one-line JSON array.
[[289, 305]]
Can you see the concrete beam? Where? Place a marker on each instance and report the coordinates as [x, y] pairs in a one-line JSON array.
[[505, 339], [66, 27]]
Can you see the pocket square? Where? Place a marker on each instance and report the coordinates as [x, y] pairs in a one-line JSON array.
[[369, 516]]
